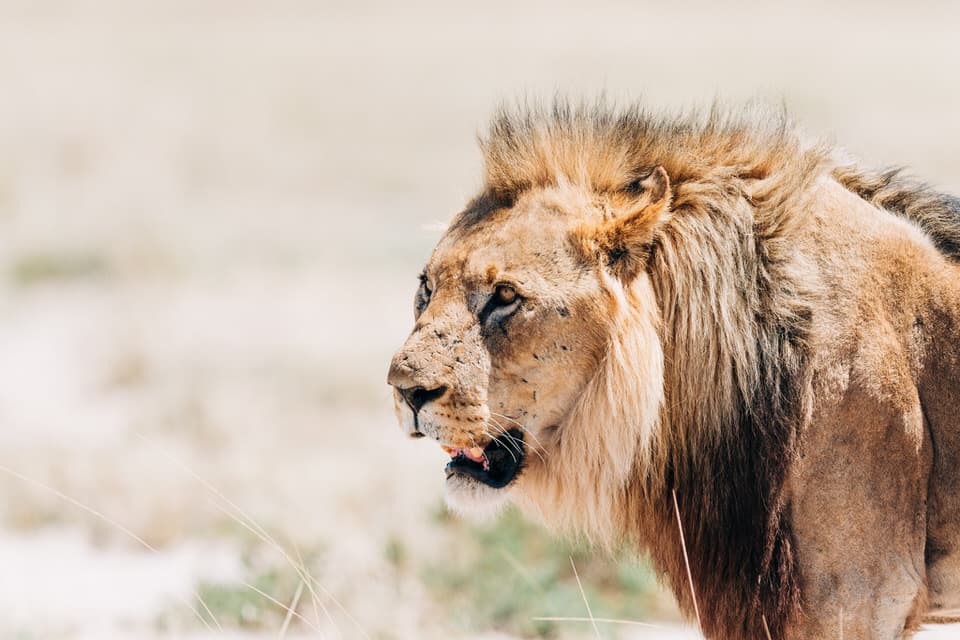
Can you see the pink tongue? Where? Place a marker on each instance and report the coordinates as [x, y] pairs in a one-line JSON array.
[[475, 454]]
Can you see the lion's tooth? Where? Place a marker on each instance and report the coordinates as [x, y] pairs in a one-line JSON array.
[[476, 454]]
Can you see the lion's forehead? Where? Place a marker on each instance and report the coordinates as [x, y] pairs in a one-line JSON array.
[[536, 272], [519, 248]]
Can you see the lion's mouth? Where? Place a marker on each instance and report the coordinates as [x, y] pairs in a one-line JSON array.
[[495, 465]]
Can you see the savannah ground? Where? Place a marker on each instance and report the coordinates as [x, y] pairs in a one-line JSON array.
[[211, 219]]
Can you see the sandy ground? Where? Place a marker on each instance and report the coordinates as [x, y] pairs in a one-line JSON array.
[[211, 216]]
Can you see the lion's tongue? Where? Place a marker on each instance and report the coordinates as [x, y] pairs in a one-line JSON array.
[[474, 454]]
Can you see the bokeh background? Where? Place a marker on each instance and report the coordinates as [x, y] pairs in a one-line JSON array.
[[212, 214]]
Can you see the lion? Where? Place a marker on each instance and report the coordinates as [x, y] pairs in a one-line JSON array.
[[715, 340]]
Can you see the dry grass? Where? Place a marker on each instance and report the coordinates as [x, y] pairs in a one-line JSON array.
[[686, 558]]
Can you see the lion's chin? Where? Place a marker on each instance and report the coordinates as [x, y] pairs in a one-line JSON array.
[[472, 499]]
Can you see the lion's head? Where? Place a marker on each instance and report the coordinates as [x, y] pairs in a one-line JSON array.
[[609, 256], [519, 308]]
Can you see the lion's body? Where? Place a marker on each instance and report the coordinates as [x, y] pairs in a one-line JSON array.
[[796, 327], [874, 489]]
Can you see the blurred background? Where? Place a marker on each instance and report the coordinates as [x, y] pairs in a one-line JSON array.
[[212, 214]]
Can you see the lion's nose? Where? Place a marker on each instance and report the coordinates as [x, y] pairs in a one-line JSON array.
[[416, 397]]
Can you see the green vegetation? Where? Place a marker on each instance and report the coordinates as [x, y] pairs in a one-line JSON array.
[[499, 576], [504, 574], [38, 268], [242, 604], [237, 605]]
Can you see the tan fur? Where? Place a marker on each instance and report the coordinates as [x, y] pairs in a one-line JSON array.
[[714, 307]]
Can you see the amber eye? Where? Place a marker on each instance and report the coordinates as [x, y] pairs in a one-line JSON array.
[[501, 305], [505, 294]]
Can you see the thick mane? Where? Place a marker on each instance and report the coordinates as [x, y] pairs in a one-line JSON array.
[[735, 302], [604, 148]]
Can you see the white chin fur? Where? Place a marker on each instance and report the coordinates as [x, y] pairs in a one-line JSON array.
[[473, 500]]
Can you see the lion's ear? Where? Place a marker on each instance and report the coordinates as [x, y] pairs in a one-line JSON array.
[[625, 242]]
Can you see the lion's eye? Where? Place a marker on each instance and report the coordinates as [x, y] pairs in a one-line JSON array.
[[505, 294], [423, 296], [500, 305]]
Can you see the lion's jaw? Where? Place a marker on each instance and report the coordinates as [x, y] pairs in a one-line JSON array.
[[537, 389]]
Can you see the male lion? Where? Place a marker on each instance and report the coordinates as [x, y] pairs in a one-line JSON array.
[[713, 310]]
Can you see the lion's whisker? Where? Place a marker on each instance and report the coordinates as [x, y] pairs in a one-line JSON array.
[[511, 441], [511, 444], [518, 444], [537, 448], [505, 417], [493, 437], [536, 445], [522, 428], [497, 437]]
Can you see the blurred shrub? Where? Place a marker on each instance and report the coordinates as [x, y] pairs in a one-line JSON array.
[[43, 267], [237, 605], [504, 574]]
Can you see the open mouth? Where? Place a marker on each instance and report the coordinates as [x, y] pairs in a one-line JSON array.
[[495, 465]]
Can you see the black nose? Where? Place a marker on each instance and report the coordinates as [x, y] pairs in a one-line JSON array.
[[416, 397]]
